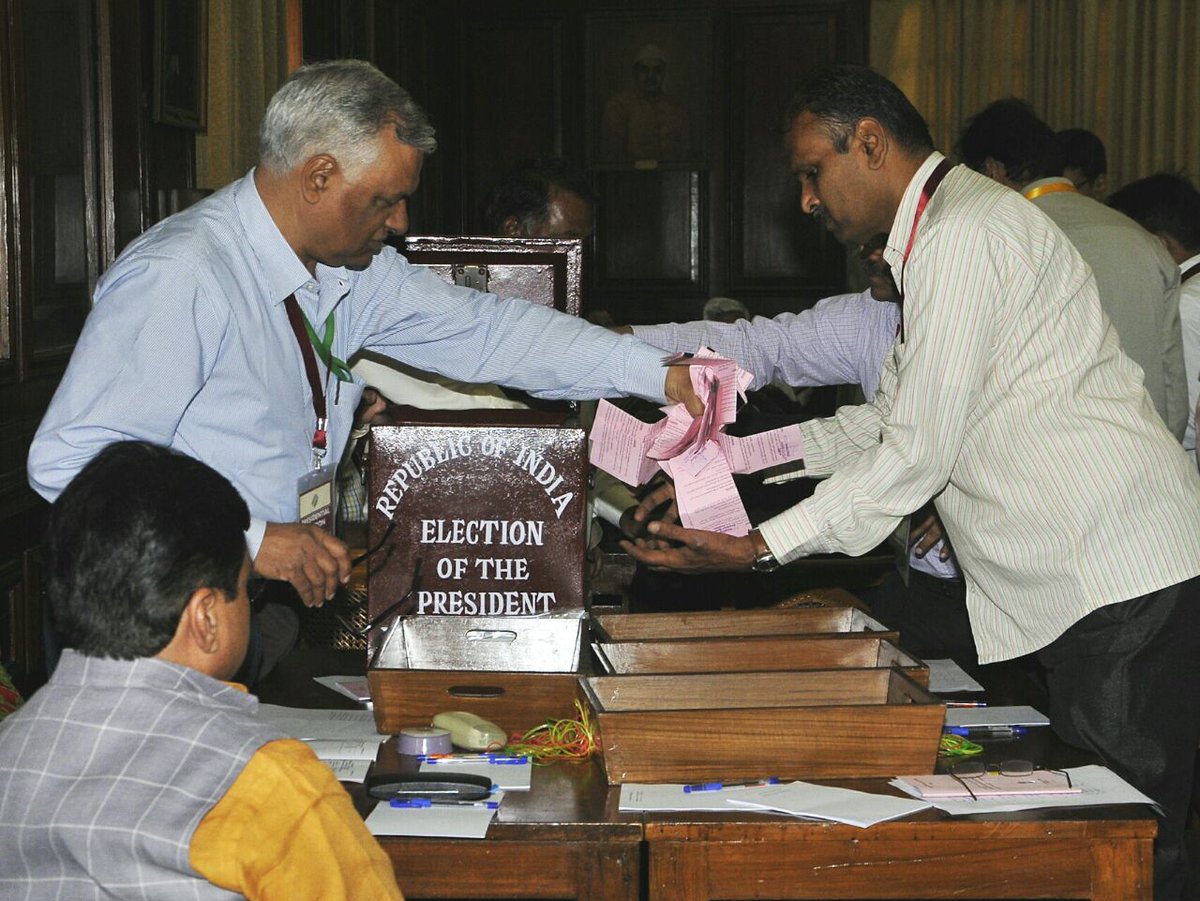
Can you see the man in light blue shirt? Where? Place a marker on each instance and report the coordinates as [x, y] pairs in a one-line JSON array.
[[189, 343]]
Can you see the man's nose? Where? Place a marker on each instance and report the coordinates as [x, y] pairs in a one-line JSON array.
[[808, 199], [397, 222]]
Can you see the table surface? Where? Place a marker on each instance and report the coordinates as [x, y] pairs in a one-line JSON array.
[[569, 830]]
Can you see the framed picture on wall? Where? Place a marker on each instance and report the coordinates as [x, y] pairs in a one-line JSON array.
[[181, 63], [649, 83]]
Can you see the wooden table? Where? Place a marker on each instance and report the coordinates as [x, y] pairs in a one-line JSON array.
[[567, 839], [563, 839], [1084, 854]]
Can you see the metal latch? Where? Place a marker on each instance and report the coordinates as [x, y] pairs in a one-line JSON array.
[[471, 277]]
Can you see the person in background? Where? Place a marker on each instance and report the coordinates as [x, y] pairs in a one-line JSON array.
[[724, 309], [1084, 161], [136, 771], [1006, 401], [546, 197], [1139, 285], [1168, 206], [224, 330]]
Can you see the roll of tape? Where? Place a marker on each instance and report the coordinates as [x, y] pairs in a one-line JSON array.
[[425, 740]]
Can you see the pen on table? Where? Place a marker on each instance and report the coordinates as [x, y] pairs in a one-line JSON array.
[[966, 703], [717, 786], [986, 731], [417, 803], [500, 759]]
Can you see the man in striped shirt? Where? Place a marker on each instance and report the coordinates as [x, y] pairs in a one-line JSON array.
[[1006, 400]]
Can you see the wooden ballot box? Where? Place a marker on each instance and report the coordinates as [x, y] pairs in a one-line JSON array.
[[492, 503], [547, 271]]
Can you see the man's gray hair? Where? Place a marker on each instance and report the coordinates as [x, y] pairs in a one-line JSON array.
[[338, 107]]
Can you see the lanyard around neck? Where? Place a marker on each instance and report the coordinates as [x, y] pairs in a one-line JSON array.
[[1054, 188], [306, 339], [931, 185], [1189, 273]]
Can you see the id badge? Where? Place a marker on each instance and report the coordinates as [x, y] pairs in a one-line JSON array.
[[317, 490]]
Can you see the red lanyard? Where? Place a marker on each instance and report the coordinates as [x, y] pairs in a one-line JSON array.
[[931, 185], [296, 318]]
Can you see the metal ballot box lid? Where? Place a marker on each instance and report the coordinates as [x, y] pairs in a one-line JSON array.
[[492, 503], [529, 644]]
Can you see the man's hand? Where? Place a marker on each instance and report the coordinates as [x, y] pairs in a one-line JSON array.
[[310, 558], [696, 551], [370, 405], [644, 512], [925, 535], [678, 388]]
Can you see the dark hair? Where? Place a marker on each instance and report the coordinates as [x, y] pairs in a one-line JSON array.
[[1083, 150], [1164, 203], [1010, 132], [839, 96], [524, 192], [136, 532]]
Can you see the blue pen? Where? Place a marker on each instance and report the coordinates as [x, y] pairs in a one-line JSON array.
[[717, 786], [986, 731], [417, 803], [497, 759]]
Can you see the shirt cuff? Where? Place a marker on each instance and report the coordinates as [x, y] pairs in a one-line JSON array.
[[647, 375], [254, 537], [604, 508], [792, 535]]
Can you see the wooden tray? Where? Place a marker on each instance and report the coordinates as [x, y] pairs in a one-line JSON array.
[[827, 724], [740, 655], [831, 620], [513, 701]]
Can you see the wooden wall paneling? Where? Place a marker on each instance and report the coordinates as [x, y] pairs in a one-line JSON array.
[[651, 258], [774, 249], [411, 46], [512, 101]]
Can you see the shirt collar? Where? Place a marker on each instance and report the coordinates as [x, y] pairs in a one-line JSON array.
[[282, 269], [1033, 186], [902, 225]]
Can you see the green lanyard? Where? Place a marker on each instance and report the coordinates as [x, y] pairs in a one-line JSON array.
[[324, 348]]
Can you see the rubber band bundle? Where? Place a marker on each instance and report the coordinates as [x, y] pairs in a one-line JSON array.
[[957, 746], [554, 740]]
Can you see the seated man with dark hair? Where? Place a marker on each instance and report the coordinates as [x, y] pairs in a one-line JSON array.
[[136, 771]]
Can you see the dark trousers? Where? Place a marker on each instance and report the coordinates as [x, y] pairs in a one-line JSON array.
[[929, 613], [1124, 682]]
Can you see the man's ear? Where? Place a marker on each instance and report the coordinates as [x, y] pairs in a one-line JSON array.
[[317, 175], [510, 227], [201, 620], [995, 170], [873, 140]]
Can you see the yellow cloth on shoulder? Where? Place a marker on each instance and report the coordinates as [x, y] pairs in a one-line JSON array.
[[287, 829]]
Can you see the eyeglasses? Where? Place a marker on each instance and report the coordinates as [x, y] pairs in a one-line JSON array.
[[966, 770]]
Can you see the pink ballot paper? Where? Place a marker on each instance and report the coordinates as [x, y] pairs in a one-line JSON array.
[[694, 451]]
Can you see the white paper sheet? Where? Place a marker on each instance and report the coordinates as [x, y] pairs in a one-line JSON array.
[[995, 716], [824, 802], [349, 770], [305, 723], [504, 776], [345, 748], [438, 822], [946, 676], [357, 688]]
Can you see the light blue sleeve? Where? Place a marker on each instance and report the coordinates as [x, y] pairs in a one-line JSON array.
[[407, 312]]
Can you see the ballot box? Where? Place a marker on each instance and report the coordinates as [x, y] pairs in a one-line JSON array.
[[547, 271], [820, 724], [476, 513]]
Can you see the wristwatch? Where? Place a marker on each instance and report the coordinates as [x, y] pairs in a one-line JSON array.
[[764, 560]]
